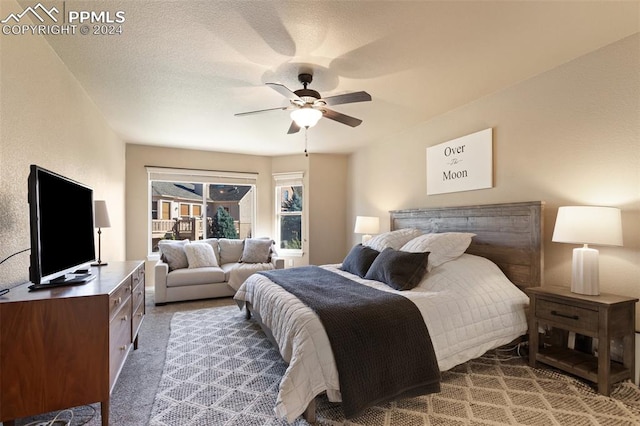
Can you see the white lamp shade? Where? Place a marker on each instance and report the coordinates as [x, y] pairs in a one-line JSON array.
[[306, 116], [367, 225], [101, 214], [588, 225]]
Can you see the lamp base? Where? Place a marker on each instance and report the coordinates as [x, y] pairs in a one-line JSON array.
[[99, 263], [366, 238], [585, 273]]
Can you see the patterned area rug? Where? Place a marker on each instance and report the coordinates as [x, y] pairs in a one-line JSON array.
[[222, 370]]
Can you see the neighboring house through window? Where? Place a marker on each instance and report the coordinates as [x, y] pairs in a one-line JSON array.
[[199, 204], [289, 213]]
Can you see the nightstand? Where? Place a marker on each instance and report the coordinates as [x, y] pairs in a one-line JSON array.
[[604, 317]]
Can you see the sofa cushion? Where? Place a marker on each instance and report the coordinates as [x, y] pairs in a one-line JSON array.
[[172, 253], [237, 273], [230, 250], [256, 250], [200, 255], [186, 277]]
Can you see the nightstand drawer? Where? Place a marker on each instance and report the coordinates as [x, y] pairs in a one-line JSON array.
[[566, 314]]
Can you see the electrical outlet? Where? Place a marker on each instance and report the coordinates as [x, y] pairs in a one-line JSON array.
[[290, 262]]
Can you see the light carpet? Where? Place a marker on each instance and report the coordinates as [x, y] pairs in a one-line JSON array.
[[220, 369]]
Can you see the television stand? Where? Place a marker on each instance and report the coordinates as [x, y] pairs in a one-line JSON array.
[[74, 279], [65, 346]]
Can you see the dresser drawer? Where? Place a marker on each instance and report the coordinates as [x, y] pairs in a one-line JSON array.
[[138, 295], [119, 339], [136, 320], [574, 317], [119, 297], [138, 277]]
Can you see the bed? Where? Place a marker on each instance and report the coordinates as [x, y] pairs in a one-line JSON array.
[[470, 303]]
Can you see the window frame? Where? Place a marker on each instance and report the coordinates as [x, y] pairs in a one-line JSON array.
[[197, 176], [284, 181]]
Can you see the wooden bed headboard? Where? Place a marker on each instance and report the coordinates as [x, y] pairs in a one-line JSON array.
[[508, 234]]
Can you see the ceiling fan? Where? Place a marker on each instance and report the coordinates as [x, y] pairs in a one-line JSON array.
[[307, 106]]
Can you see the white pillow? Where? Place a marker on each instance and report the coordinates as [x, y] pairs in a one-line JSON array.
[[394, 239], [443, 247], [213, 242], [200, 255], [172, 253]]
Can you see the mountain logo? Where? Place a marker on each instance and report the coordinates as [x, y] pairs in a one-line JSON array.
[[38, 11]]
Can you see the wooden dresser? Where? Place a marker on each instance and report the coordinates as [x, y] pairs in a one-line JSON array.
[[65, 347]]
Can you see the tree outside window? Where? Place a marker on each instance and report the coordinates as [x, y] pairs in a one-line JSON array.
[[291, 202]]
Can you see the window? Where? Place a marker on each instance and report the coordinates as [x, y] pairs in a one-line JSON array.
[[199, 204], [289, 213]]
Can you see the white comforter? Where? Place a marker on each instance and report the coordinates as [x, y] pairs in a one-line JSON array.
[[468, 304]]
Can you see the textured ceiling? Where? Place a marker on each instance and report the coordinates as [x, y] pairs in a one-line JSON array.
[[181, 69]]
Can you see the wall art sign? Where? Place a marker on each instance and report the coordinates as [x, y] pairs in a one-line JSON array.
[[462, 164]]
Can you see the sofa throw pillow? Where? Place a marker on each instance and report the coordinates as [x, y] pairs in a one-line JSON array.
[[173, 254], [230, 250], [213, 242], [394, 239], [256, 250], [359, 260], [398, 269], [443, 246], [200, 255]]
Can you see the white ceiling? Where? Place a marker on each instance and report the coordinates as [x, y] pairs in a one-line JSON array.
[[181, 69]]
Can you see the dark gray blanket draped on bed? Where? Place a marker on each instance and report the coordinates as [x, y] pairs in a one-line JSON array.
[[380, 342]]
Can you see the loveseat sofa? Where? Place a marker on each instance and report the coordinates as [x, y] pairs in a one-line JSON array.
[[190, 270]]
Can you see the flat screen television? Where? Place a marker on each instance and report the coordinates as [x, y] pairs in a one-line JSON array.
[[62, 231]]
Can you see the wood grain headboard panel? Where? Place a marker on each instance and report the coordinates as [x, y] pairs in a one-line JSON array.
[[508, 234]]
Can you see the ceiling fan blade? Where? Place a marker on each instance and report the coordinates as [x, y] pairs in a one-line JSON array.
[[347, 98], [259, 111], [284, 91], [294, 128], [341, 118]]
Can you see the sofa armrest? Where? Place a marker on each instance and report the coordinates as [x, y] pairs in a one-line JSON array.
[[161, 270], [277, 263]]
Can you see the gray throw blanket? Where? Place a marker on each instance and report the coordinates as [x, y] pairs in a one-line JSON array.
[[380, 342]]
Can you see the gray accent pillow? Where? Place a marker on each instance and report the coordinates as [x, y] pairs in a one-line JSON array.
[[256, 250], [173, 254], [359, 260], [399, 270], [230, 250]]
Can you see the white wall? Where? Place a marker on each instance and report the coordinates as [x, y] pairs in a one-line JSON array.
[[46, 118], [568, 136]]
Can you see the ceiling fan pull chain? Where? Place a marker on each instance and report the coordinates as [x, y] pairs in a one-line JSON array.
[[306, 154]]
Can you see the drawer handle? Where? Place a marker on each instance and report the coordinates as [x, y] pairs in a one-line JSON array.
[[558, 314], [123, 347], [140, 314], [124, 318], [117, 301]]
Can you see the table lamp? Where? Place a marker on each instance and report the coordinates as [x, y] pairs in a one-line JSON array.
[[367, 225], [587, 225], [101, 218]]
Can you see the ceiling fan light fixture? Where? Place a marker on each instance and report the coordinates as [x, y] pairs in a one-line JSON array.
[[306, 116]]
